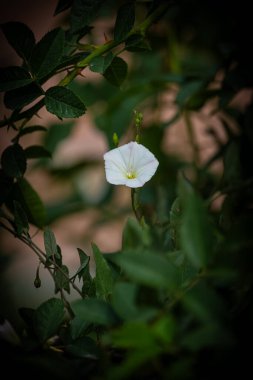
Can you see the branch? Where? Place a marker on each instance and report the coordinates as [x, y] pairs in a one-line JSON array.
[[140, 29]]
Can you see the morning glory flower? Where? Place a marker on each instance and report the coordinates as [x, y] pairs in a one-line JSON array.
[[131, 165]]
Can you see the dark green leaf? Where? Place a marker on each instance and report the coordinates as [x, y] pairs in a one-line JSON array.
[[187, 91], [134, 235], [13, 77], [61, 279], [30, 201], [123, 300], [20, 219], [62, 102], [196, 232], [62, 6], [83, 13], [50, 243], [149, 269], [47, 53], [78, 327], [84, 347], [136, 42], [101, 63], [13, 161], [71, 60], [48, 318], [37, 280], [124, 21], [117, 71], [33, 128], [95, 311], [103, 279], [6, 183], [20, 37], [84, 262], [22, 96], [36, 151]]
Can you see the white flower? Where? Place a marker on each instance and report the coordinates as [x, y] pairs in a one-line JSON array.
[[131, 164]]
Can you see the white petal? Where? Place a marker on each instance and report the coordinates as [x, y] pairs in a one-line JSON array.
[[115, 156], [130, 158], [135, 182]]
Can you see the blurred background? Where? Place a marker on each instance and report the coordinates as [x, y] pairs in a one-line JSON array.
[[182, 66]]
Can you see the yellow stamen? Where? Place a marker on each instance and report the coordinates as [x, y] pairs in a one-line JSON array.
[[131, 175]]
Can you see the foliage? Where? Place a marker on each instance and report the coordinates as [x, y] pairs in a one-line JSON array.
[[176, 301]]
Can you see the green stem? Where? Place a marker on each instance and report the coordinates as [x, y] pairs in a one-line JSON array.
[[136, 205], [192, 138]]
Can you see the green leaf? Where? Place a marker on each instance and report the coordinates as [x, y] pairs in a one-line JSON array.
[[123, 300], [149, 269], [136, 42], [50, 243], [62, 6], [117, 71], [47, 53], [124, 21], [196, 232], [13, 77], [134, 235], [6, 184], [36, 151], [30, 129], [62, 102], [48, 318], [61, 279], [103, 279], [30, 201], [84, 261], [20, 219], [134, 335], [83, 13], [13, 161], [84, 347], [93, 310], [101, 63], [188, 91], [78, 327], [20, 37], [22, 96]]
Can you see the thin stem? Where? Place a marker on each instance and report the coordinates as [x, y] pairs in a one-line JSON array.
[[41, 255], [192, 138], [136, 205]]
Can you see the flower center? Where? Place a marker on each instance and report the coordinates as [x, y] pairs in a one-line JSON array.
[[130, 175]]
